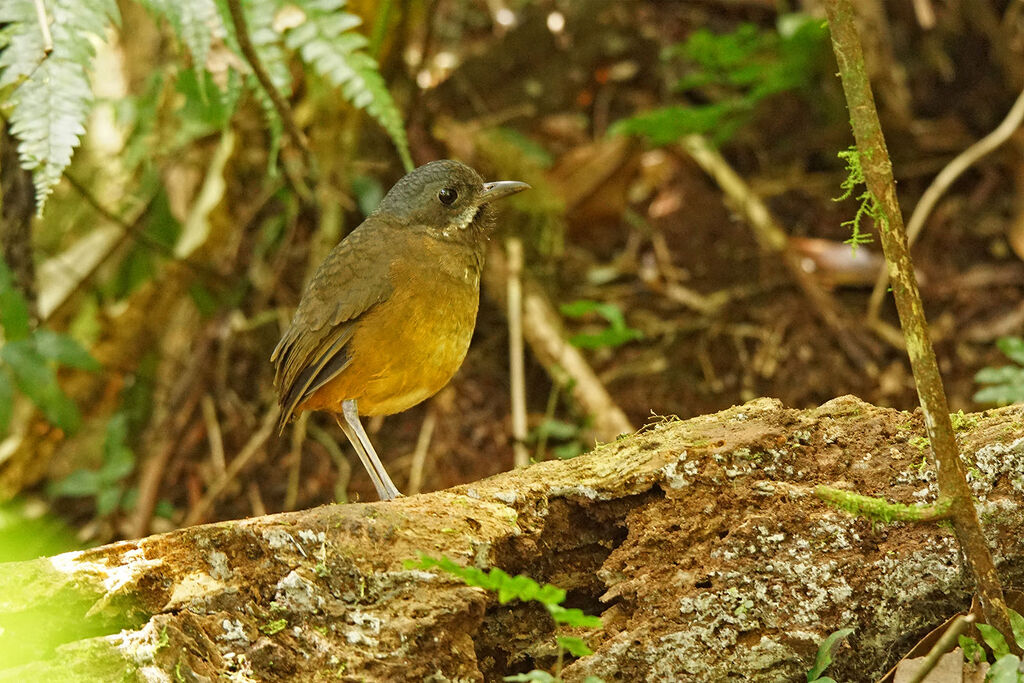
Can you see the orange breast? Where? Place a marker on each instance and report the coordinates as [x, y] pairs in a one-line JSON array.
[[408, 347]]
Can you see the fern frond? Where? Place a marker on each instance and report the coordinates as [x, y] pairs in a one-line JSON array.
[[325, 41], [267, 43], [195, 23], [50, 95]]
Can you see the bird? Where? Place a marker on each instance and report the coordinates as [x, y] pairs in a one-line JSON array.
[[386, 320]]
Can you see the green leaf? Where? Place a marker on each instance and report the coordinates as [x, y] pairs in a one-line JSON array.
[[1017, 625], [1007, 381], [118, 459], [195, 22], [52, 96], [37, 380], [568, 451], [6, 400], [668, 124], [825, 653], [13, 307], [994, 639], [78, 484], [556, 429], [368, 192], [63, 349], [1013, 348], [325, 41], [617, 334], [573, 617], [577, 647], [973, 651], [107, 500], [1005, 670]]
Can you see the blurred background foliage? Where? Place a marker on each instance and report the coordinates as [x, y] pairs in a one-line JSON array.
[[170, 182]]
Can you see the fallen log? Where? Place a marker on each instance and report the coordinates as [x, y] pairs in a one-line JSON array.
[[700, 544]]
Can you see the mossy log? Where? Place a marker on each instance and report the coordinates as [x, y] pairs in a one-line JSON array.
[[700, 544]]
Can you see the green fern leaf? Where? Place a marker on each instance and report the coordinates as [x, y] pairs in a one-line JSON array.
[[195, 23], [325, 42], [50, 96], [267, 43]]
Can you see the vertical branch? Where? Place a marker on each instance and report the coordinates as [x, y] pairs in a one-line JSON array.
[[874, 158], [517, 373]]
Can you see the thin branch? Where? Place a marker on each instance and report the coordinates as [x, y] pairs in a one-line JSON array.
[[419, 455], [284, 111], [542, 329], [213, 435], [772, 238], [340, 461], [291, 495], [946, 177], [244, 457], [944, 644], [877, 167], [516, 369]]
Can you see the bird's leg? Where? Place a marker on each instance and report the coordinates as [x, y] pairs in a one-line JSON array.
[[353, 429]]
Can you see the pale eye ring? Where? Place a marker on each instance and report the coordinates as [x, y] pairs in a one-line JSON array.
[[447, 196]]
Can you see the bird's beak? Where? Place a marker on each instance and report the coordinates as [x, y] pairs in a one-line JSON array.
[[501, 188]]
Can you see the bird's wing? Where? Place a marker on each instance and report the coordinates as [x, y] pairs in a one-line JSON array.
[[348, 283]]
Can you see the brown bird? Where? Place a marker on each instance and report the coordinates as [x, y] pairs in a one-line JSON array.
[[387, 318]]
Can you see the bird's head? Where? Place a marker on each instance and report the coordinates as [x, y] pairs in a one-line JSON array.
[[447, 197]]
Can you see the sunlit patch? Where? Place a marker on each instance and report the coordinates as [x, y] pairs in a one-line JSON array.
[[505, 17], [556, 22]]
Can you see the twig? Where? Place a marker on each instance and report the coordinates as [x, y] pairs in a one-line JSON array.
[[772, 238], [44, 27], [925, 14], [130, 230], [284, 111], [517, 372], [213, 435], [167, 430], [340, 461], [946, 177], [291, 493], [549, 413], [542, 330], [877, 167], [256, 500], [943, 645], [419, 456], [251, 448]]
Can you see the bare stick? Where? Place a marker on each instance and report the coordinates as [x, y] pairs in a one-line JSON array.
[[772, 238], [291, 492], [284, 111], [516, 371], [943, 645], [419, 456], [941, 183], [213, 434], [877, 167], [340, 461], [542, 329], [251, 448]]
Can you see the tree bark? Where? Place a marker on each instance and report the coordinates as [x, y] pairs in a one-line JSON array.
[[700, 544]]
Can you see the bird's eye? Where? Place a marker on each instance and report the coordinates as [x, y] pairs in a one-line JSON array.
[[447, 196]]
